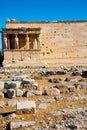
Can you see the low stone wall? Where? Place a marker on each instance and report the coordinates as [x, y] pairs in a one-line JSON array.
[[35, 58], [21, 58]]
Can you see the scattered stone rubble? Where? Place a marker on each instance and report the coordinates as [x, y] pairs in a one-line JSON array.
[[73, 119], [24, 91]]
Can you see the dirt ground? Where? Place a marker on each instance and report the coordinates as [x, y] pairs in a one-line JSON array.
[[44, 116]]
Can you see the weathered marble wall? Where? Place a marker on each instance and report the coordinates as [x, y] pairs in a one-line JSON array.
[[63, 42]]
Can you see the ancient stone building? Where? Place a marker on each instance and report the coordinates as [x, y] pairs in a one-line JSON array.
[[45, 42]]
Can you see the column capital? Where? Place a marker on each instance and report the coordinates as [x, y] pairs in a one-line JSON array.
[[27, 33], [4, 33], [16, 33]]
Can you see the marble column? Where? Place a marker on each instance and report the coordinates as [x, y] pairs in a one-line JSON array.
[[16, 42], [27, 42], [5, 41]]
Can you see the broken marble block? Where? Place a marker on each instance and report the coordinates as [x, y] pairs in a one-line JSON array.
[[20, 77], [9, 93], [1, 103], [32, 93], [19, 92], [29, 83], [26, 107], [1, 95], [1, 85], [52, 91], [12, 84], [18, 125], [12, 103]]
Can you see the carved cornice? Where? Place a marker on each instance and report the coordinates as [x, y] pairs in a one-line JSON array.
[[21, 30]]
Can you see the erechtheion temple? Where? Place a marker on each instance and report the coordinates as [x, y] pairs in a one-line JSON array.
[[44, 42]]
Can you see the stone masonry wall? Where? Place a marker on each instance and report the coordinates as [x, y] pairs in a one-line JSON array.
[[60, 42]]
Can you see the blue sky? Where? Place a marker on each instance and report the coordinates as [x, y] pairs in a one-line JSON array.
[[28, 10]]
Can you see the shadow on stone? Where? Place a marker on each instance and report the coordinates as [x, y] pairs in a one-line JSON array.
[[84, 74]]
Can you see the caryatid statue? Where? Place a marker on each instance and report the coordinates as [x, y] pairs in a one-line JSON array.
[[38, 42], [16, 42], [5, 41], [27, 42]]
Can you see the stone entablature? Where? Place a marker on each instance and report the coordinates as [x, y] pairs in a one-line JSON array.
[[57, 42]]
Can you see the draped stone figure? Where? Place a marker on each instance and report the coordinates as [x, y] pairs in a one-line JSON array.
[[27, 42], [5, 42], [35, 44], [38, 42], [16, 42]]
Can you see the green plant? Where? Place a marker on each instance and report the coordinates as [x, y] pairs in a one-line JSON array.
[[70, 70], [44, 74]]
